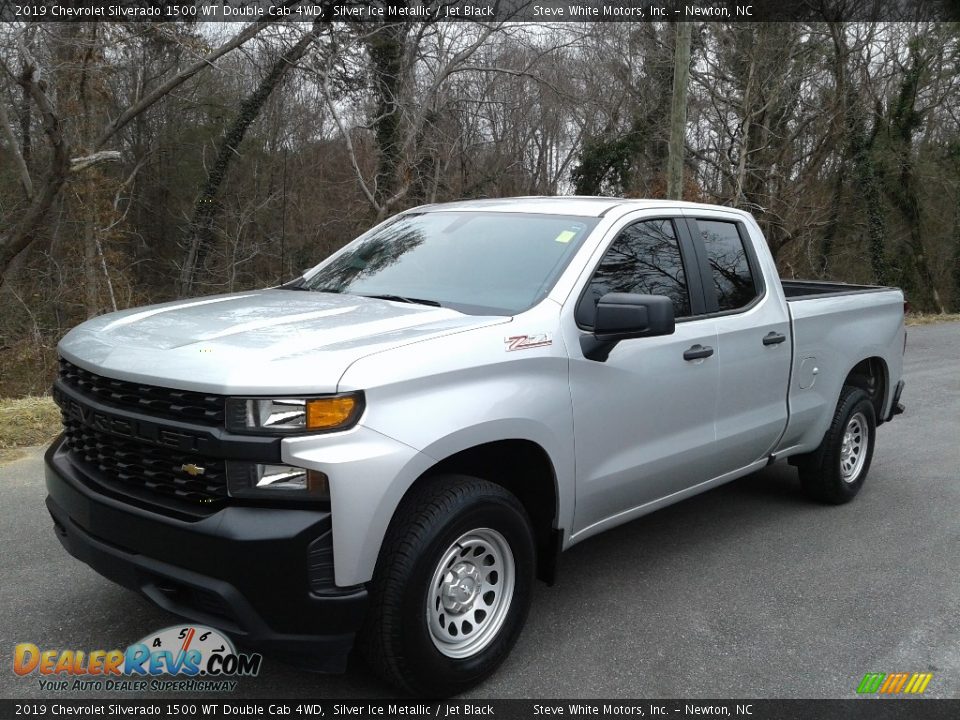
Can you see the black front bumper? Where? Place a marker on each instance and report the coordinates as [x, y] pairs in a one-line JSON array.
[[244, 570]]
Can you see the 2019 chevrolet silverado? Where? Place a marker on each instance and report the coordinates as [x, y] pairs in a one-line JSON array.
[[389, 450]]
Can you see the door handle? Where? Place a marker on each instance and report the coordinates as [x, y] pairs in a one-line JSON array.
[[698, 352], [773, 338]]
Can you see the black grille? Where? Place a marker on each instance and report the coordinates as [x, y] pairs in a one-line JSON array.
[[156, 401], [133, 467]]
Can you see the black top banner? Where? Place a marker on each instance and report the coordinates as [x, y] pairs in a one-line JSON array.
[[478, 10]]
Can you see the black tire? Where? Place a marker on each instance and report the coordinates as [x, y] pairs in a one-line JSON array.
[[823, 473], [396, 640]]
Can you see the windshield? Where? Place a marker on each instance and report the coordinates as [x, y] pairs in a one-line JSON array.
[[474, 262]]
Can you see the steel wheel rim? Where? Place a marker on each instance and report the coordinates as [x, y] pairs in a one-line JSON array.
[[853, 450], [470, 593]]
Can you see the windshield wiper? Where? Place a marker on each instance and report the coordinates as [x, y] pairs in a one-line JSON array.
[[302, 285], [401, 298]]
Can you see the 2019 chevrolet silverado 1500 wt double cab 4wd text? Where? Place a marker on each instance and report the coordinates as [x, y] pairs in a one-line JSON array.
[[391, 448]]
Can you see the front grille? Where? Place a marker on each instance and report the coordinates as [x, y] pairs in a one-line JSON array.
[[162, 402], [132, 467]]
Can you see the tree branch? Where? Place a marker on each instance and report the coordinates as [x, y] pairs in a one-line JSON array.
[[82, 163], [351, 151], [177, 80], [22, 233], [25, 181]]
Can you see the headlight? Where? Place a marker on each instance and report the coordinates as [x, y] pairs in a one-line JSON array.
[[292, 415], [255, 480]]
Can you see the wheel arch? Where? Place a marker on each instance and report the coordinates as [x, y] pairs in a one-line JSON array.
[[524, 468], [873, 376]]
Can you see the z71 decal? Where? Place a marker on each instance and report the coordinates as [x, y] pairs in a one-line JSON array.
[[526, 342]]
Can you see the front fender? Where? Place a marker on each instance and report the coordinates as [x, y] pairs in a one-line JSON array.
[[437, 398], [369, 474]]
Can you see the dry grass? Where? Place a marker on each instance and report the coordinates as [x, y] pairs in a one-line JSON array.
[[929, 319], [24, 422], [28, 368]]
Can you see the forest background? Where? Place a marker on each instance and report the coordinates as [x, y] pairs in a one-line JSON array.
[[144, 162]]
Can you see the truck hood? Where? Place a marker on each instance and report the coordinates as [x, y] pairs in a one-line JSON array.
[[261, 342]]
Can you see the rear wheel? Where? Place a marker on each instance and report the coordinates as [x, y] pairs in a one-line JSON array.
[[835, 471], [452, 587]]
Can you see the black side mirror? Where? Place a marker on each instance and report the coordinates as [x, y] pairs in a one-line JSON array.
[[622, 316]]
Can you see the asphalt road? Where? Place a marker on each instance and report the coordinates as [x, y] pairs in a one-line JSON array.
[[746, 591]]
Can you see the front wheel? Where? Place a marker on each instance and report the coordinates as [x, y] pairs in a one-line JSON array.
[[452, 587], [835, 471]]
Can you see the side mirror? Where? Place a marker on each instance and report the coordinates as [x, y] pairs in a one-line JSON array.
[[622, 316]]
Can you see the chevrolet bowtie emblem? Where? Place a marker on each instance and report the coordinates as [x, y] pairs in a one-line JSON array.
[[194, 470]]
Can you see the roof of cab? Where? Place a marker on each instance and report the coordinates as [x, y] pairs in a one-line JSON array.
[[582, 205]]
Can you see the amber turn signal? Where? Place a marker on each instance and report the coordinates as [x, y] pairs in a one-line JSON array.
[[330, 412]]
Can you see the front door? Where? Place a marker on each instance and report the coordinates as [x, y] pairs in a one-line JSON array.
[[644, 418]]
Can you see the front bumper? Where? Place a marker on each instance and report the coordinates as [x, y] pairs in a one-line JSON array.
[[250, 571]]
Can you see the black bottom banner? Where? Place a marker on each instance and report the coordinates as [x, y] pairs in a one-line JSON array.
[[855, 709]]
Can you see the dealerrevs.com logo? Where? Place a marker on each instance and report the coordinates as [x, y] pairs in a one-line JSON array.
[[205, 657]]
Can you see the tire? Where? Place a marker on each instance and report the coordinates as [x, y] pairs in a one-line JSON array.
[[835, 471], [452, 587]]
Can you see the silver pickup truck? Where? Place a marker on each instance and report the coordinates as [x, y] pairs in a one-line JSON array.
[[389, 450]]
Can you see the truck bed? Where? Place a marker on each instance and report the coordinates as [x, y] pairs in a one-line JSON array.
[[806, 289], [838, 325]]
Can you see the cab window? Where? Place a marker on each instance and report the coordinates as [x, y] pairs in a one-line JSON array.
[[733, 280], [644, 259]]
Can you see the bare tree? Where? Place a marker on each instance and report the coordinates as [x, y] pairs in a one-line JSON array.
[[200, 231], [678, 111], [17, 238]]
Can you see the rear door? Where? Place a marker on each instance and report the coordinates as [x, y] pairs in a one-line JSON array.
[[644, 418], [753, 340]]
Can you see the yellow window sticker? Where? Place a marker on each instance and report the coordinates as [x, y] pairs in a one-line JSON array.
[[566, 236]]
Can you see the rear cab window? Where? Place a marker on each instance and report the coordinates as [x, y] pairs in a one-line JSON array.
[[733, 273]]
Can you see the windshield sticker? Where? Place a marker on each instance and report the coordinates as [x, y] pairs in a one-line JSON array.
[[566, 236]]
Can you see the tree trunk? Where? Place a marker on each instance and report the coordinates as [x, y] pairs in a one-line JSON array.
[[21, 235], [200, 231], [845, 101], [387, 47], [955, 272], [869, 182], [903, 124], [744, 149], [678, 112], [26, 147], [833, 221], [858, 146], [91, 283]]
